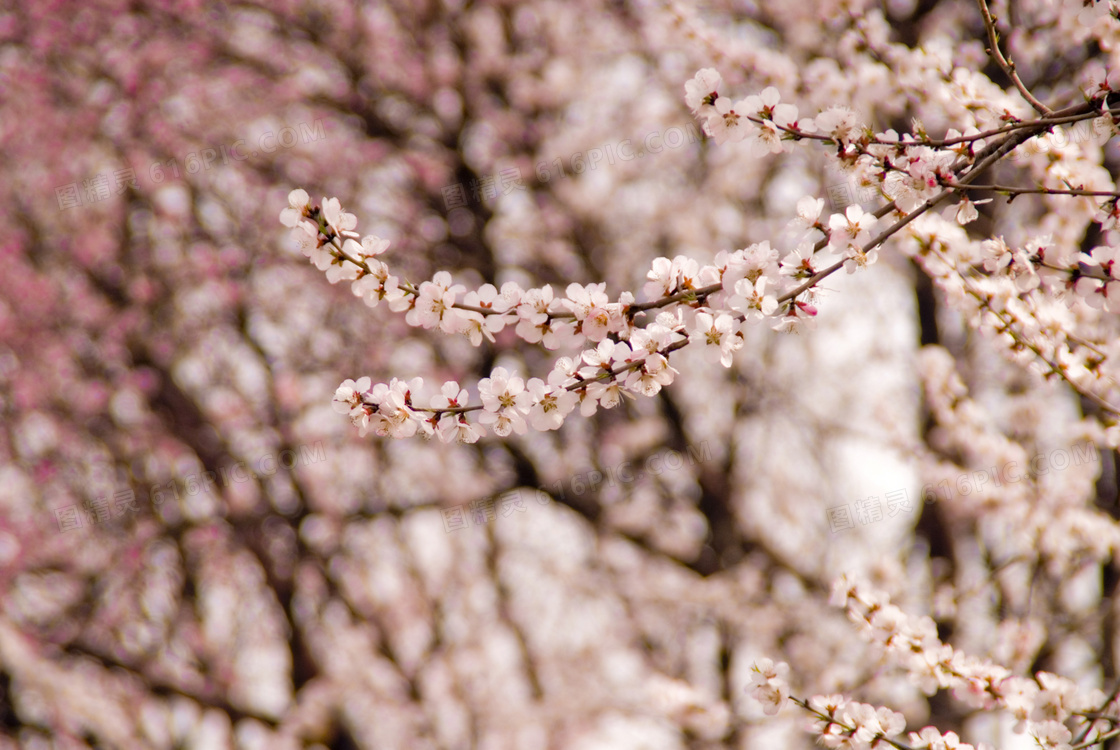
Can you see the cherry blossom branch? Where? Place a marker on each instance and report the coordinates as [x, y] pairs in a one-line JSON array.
[[796, 131], [1101, 739], [862, 723], [1009, 189], [1043, 704], [711, 302], [1054, 367], [1006, 65], [1096, 716], [1008, 323], [988, 157]]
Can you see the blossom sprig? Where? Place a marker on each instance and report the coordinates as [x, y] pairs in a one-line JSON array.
[[1027, 296], [696, 303], [1043, 705], [908, 170], [768, 684], [509, 404], [1093, 278], [585, 313], [762, 117], [538, 315], [917, 177], [741, 286], [839, 722], [913, 644]]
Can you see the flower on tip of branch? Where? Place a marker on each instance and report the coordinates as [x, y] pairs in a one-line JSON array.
[[768, 685], [727, 121], [702, 90], [338, 219], [348, 396], [297, 212], [838, 123], [776, 119]]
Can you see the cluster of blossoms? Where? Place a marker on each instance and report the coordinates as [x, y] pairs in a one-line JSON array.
[[1048, 307], [768, 684], [760, 120], [841, 723], [1094, 278], [1045, 300], [1042, 705], [708, 304]]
